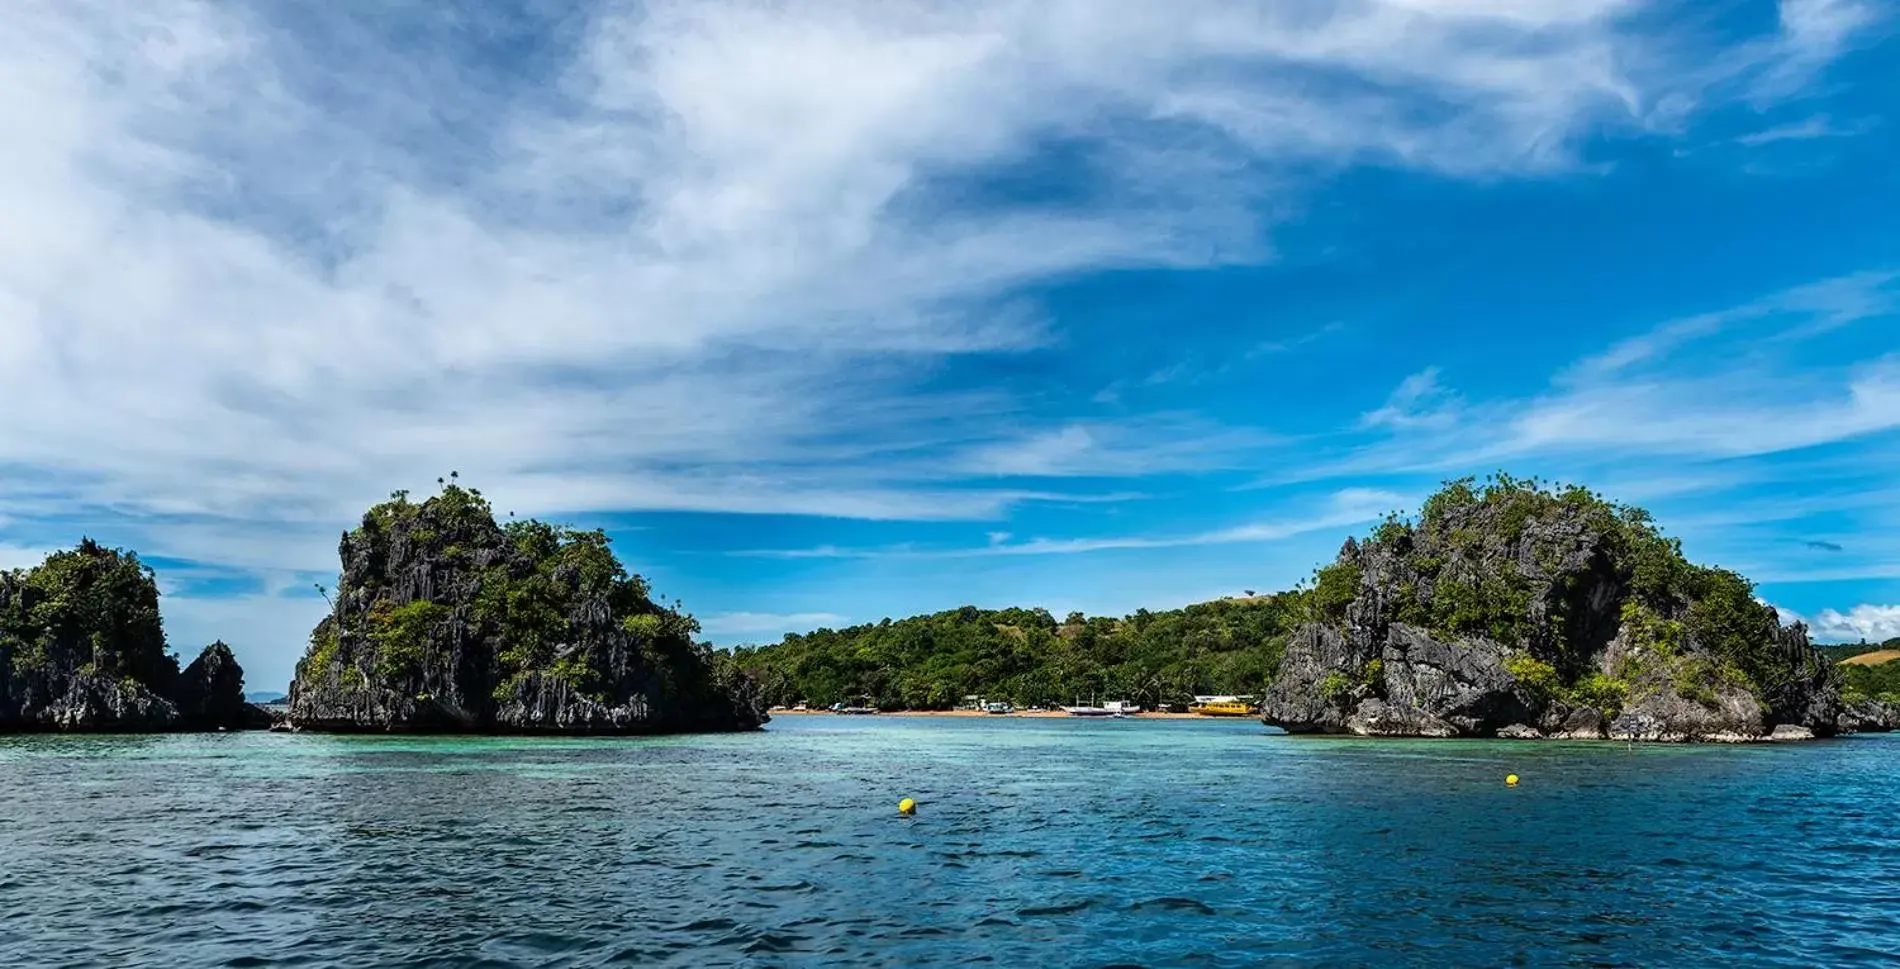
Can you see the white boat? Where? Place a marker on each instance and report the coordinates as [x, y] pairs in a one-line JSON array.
[[859, 706], [1113, 708], [998, 708]]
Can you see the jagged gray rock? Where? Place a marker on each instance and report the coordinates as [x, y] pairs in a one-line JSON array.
[[1516, 611], [209, 694], [1311, 693], [82, 649], [1735, 715], [1575, 723], [1464, 684], [1870, 716], [444, 621]]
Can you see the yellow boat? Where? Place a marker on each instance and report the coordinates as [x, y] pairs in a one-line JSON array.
[[1224, 708]]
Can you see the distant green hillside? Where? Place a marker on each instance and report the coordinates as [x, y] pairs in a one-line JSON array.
[[1873, 676], [1844, 651], [1027, 657]]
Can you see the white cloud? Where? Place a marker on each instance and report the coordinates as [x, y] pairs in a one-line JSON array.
[[1807, 129], [1724, 402], [1814, 33], [1133, 448], [740, 624], [1342, 509], [260, 271], [21, 556], [1419, 401], [1802, 311], [1863, 623]]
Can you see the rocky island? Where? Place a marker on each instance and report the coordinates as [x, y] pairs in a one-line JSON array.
[[1511, 609], [444, 620], [82, 648]]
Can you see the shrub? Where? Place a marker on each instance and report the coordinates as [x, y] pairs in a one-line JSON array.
[[1334, 589], [1536, 676], [1605, 693], [1336, 686]]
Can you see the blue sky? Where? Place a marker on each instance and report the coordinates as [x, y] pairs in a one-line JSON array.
[[835, 311]]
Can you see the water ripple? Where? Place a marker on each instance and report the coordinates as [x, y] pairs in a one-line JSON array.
[[1037, 843]]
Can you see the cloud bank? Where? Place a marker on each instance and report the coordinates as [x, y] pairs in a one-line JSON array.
[[267, 262]]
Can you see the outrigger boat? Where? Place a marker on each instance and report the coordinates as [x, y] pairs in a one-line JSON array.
[[859, 706], [1113, 708], [1223, 706]]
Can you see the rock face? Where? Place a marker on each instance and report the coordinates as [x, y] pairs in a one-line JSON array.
[[1515, 611], [444, 621], [1870, 716], [209, 694], [82, 649]]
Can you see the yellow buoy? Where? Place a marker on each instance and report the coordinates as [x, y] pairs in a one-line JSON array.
[[1510, 780], [907, 806]]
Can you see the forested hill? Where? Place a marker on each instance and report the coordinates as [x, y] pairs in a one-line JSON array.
[[1027, 656]]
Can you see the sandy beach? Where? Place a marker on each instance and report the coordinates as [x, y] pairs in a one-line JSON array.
[[1020, 714]]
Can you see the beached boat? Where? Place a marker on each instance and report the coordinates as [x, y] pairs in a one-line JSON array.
[[1223, 706], [998, 708], [1230, 708], [859, 706], [1113, 708]]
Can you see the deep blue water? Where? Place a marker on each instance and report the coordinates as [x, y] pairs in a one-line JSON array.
[[1037, 843]]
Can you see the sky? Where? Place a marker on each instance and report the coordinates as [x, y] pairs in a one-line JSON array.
[[835, 311]]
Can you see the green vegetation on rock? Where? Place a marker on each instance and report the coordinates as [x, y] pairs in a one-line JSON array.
[[1528, 565], [1511, 606], [444, 619], [82, 647], [90, 608]]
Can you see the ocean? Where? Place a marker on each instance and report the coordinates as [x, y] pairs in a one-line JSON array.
[[1035, 843]]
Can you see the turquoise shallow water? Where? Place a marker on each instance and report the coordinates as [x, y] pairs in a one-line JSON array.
[[1038, 843]]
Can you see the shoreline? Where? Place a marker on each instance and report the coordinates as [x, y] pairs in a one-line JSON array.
[[1016, 715]]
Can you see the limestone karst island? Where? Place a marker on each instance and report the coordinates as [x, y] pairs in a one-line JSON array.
[[1506, 609]]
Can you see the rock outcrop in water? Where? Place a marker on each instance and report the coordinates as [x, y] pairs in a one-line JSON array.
[[82, 648], [1510, 610], [444, 621], [1871, 689], [1868, 715]]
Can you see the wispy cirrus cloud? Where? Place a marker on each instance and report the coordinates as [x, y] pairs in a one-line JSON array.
[[1622, 403], [1343, 509], [1125, 449], [1807, 129], [729, 624], [1419, 401], [267, 262], [1796, 313], [349, 249]]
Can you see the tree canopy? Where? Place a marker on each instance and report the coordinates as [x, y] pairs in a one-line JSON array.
[[1028, 657]]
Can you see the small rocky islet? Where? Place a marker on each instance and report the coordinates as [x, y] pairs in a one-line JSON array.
[[446, 621], [1513, 609], [443, 621], [82, 649], [1508, 609]]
